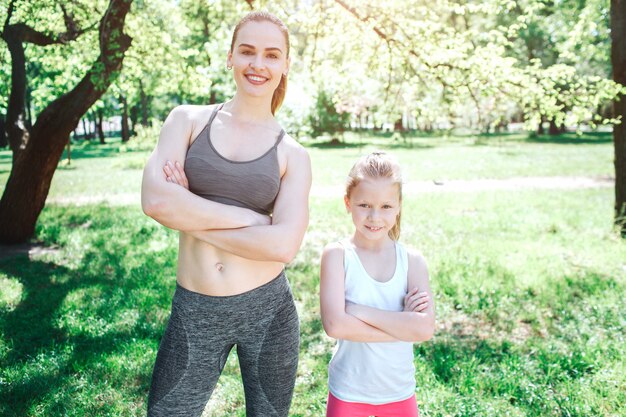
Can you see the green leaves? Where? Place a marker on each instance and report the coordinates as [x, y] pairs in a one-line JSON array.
[[476, 64]]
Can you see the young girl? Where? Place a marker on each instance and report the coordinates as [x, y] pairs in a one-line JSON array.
[[375, 299]]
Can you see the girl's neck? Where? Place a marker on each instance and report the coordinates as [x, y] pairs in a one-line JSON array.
[[256, 110], [372, 245]]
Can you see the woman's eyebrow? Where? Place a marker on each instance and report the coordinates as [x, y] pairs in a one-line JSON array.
[[245, 45]]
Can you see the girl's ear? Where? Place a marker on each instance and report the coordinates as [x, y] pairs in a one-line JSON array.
[[346, 201]]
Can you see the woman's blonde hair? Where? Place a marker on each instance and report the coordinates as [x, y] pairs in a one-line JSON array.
[[263, 16], [377, 164]]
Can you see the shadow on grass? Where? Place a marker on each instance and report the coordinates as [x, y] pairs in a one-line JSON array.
[[92, 151], [362, 143], [72, 319], [32, 330], [336, 145], [588, 138]]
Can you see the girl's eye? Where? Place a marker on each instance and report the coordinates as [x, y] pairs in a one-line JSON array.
[[272, 56], [247, 52], [386, 206]]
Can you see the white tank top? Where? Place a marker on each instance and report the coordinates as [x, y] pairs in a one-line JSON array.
[[373, 373]]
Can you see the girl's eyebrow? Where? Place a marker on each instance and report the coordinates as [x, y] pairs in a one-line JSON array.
[[245, 45]]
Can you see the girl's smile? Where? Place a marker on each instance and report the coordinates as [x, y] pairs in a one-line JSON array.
[[374, 204]]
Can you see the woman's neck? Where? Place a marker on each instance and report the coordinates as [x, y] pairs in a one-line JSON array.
[[256, 110]]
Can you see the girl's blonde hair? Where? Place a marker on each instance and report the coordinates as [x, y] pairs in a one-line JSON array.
[[263, 16], [378, 164]]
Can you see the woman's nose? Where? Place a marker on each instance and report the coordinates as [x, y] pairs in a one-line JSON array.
[[257, 62]]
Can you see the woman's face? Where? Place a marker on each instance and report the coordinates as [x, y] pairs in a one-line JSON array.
[[259, 58]]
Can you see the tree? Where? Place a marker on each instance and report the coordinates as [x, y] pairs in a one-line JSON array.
[[36, 151], [618, 59]]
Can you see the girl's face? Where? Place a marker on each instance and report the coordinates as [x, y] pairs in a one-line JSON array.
[[375, 205], [259, 58]]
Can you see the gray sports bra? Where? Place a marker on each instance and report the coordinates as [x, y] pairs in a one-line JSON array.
[[251, 184]]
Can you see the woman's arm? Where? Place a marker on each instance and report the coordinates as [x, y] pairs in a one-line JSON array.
[[336, 321], [280, 241], [417, 325], [174, 206]]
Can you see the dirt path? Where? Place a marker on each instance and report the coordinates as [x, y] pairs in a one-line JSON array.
[[415, 187], [468, 186]]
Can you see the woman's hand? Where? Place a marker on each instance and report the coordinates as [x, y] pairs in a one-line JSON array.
[[175, 174], [416, 301]]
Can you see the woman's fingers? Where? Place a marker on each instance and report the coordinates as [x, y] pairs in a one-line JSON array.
[[169, 174], [180, 175], [175, 174]]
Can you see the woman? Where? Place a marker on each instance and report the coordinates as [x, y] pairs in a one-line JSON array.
[[236, 187]]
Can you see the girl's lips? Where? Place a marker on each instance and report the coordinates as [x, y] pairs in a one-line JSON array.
[[373, 228]]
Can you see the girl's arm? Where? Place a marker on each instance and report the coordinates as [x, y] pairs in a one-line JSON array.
[[410, 326], [336, 321], [280, 241], [174, 206]]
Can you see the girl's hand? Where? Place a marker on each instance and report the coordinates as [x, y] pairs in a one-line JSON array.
[[416, 301], [175, 174]]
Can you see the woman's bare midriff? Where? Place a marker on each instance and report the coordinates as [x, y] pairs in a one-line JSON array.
[[205, 269]]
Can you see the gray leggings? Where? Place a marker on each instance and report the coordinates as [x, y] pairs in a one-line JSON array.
[[202, 330]]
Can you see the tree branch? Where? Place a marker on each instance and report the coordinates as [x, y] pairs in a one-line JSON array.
[[9, 14], [25, 33]]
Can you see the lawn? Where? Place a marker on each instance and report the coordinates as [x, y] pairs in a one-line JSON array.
[[530, 285]]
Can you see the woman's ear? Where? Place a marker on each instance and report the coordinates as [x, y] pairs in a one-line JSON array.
[[229, 60], [287, 66]]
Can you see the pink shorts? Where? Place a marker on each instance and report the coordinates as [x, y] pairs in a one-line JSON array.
[[337, 408]]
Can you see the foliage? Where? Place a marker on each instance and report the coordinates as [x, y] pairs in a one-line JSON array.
[[52, 70], [437, 65], [325, 117]]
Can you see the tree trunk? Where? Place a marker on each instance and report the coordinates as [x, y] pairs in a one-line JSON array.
[[29, 109], [100, 121], [125, 129], [31, 174], [554, 130], [540, 129], [397, 126], [3, 135], [144, 105], [85, 128], [618, 61], [17, 134], [93, 124]]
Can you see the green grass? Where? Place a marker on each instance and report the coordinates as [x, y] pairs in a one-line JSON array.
[[530, 289]]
